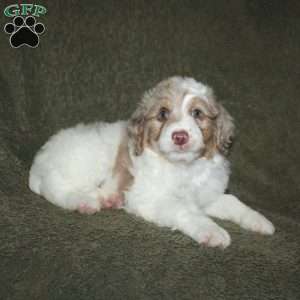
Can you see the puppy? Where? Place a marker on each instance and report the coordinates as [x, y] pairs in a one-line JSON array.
[[167, 164]]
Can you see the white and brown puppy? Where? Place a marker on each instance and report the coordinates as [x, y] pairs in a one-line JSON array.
[[167, 163]]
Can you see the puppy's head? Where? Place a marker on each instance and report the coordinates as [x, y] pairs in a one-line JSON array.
[[180, 119]]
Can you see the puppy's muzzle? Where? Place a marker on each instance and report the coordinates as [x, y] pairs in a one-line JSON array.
[[180, 138]]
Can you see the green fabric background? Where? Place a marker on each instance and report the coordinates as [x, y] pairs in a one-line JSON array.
[[93, 63]]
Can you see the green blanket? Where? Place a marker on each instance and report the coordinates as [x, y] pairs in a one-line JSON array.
[[94, 61]]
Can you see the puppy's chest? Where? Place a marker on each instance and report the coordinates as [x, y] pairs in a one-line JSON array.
[[180, 181], [190, 181]]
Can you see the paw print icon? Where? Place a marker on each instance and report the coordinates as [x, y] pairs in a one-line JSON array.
[[24, 31]]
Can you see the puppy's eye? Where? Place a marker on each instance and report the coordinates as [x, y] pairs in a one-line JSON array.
[[197, 113], [163, 114]]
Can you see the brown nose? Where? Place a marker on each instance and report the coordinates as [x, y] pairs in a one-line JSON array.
[[180, 137]]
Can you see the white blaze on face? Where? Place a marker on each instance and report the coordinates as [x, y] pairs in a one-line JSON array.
[[183, 121]]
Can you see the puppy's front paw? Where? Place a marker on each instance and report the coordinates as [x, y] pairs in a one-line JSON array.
[[255, 221], [214, 236]]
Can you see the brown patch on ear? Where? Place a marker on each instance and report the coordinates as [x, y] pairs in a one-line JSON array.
[[208, 133], [217, 126], [136, 130], [122, 165], [139, 141], [225, 130]]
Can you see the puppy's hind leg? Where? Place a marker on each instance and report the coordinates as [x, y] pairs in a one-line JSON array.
[[111, 196], [59, 191]]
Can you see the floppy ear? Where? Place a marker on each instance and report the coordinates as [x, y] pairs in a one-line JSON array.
[[136, 129], [225, 130]]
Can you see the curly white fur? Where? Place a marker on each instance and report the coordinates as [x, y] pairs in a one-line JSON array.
[[72, 166]]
